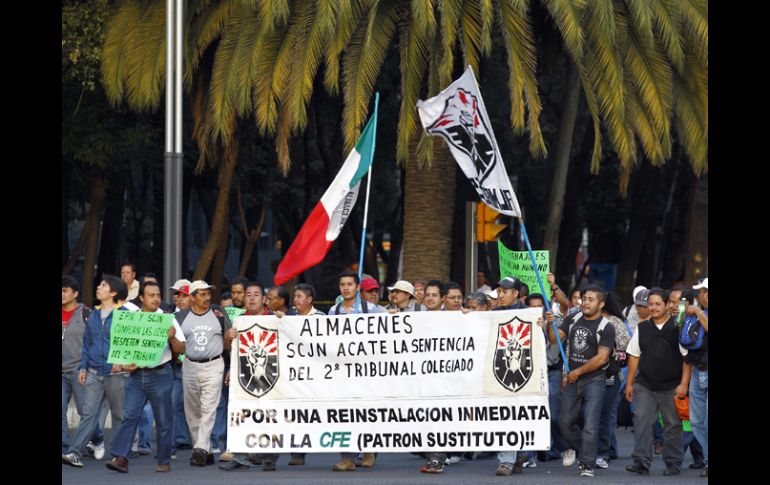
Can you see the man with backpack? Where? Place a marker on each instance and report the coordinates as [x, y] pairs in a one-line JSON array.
[[655, 351], [694, 337], [206, 334], [590, 339]]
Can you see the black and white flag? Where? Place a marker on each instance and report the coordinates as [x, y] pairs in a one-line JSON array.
[[458, 115]]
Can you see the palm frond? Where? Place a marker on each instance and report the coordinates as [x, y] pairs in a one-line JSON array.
[[119, 32], [649, 75], [205, 28], [522, 70], [351, 13], [593, 110], [317, 26], [470, 21], [667, 21], [273, 50], [230, 94], [361, 67], [487, 15], [696, 28], [567, 16], [147, 64], [413, 48], [605, 71], [273, 13], [449, 19]]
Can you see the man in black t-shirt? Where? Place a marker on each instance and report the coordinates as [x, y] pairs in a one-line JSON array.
[[590, 341]]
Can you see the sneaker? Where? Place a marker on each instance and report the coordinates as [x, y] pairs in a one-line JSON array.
[[163, 468], [344, 466], [697, 465], [638, 468], [72, 459], [228, 456], [671, 470], [504, 469], [119, 464], [521, 459], [452, 460], [602, 463], [144, 451], [568, 458], [530, 464], [433, 466], [216, 450], [96, 450], [586, 470]]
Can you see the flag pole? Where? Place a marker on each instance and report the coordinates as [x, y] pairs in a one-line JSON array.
[[542, 291], [366, 204]]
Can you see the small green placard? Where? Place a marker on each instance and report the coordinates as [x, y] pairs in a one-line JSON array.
[[234, 311], [138, 337], [519, 264]]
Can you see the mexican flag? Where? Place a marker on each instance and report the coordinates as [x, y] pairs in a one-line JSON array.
[[328, 217]]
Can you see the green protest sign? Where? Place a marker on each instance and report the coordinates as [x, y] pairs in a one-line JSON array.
[[138, 337], [233, 312], [519, 264]]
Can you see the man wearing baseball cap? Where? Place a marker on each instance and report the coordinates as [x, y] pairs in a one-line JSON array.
[[370, 290], [402, 298], [206, 334], [181, 294], [508, 290]]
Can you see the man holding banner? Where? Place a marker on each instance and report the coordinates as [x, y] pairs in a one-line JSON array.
[[148, 382]]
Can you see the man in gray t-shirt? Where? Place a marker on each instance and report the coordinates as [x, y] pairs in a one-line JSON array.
[[206, 334]]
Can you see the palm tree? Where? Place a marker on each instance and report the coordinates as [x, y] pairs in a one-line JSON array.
[[640, 66]]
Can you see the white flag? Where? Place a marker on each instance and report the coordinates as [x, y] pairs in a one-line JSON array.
[[459, 116]]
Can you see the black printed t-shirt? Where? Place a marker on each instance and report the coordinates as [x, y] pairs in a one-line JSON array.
[[582, 341]]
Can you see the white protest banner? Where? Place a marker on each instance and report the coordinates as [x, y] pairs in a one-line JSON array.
[[458, 115], [415, 381]]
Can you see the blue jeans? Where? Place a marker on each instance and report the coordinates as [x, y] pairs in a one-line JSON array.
[[154, 385], [180, 431], [145, 427], [608, 442], [97, 389], [554, 403], [71, 387], [699, 408], [219, 433], [587, 394]]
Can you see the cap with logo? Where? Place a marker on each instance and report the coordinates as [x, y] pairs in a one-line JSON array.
[[182, 286]]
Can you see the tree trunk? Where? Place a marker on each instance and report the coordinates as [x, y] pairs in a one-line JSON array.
[[428, 212], [561, 161], [218, 267], [697, 262], [222, 211], [66, 183], [98, 194], [112, 226]]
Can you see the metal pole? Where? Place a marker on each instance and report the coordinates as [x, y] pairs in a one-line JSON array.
[[176, 201], [168, 156], [471, 248]]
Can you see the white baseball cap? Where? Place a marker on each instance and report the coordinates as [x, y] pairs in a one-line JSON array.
[[182, 285], [404, 286], [199, 285]]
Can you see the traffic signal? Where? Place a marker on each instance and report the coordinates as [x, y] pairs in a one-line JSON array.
[[487, 228]]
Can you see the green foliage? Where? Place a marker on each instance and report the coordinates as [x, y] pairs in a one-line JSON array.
[[82, 24]]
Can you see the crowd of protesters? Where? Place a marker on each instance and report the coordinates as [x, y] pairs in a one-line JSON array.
[[650, 357]]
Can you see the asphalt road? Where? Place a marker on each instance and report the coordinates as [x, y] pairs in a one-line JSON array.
[[391, 468]]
